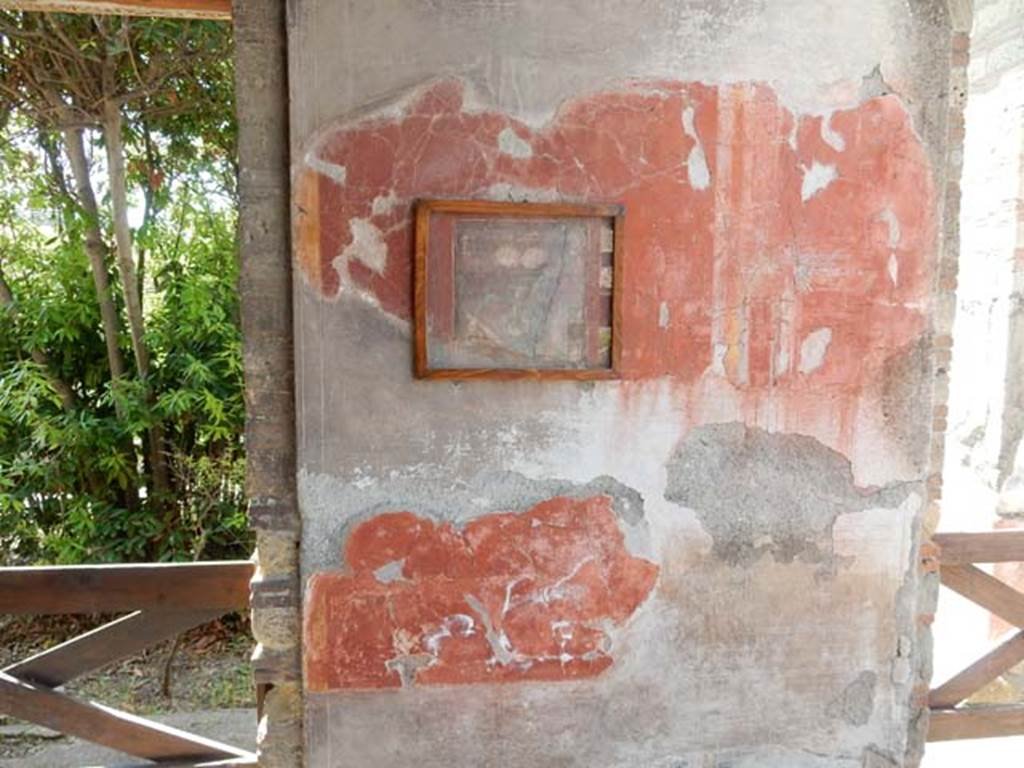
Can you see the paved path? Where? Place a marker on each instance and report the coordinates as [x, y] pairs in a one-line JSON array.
[[232, 726], [238, 727]]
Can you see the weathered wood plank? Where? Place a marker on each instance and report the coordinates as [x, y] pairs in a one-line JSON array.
[[985, 590], [992, 547], [119, 588], [986, 669], [107, 727], [113, 641], [183, 9], [976, 723]]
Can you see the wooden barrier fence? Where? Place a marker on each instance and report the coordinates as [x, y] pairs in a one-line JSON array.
[[161, 601], [951, 716]]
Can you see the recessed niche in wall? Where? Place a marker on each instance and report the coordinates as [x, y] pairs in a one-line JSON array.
[[517, 290]]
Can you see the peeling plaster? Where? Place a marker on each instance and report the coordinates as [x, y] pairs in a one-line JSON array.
[[336, 173], [893, 223], [873, 758], [389, 572], [893, 269], [816, 178], [383, 204], [813, 350], [696, 162], [830, 136], [366, 247], [855, 704], [510, 143], [760, 494]]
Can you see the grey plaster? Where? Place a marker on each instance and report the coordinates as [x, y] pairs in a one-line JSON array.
[[874, 758], [904, 393], [361, 409], [527, 56], [760, 493], [334, 506], [855, 703]]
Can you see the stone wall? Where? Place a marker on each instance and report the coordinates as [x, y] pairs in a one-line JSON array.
[[714, 559]]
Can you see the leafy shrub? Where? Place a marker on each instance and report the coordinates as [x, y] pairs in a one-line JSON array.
[[77, 475]]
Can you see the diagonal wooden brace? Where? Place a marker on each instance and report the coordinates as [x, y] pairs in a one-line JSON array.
[[985, 590], [111, 642], [108, 727], [979, 674]]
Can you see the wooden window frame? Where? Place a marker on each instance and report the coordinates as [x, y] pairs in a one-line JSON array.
[[427, 207]]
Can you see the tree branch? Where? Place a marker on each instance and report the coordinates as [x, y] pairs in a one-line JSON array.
[[130, 283], [95, 248]]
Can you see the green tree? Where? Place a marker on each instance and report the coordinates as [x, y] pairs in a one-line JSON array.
[[121, 405]]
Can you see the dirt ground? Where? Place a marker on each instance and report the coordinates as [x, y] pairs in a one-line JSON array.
[[209, 671]]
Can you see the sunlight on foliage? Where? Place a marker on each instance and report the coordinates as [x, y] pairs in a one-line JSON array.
[[77, 443]]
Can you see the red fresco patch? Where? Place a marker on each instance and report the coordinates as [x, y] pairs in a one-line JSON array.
[[745, 267], [508, 597]]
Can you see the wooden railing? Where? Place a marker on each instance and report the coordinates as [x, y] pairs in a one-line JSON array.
[[162, 600], [957, 555]]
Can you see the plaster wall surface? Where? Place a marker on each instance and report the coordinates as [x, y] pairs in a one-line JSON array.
[[710, 562]]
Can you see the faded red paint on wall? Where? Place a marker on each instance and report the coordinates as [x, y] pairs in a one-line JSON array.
[[799, 225], [517, 596]]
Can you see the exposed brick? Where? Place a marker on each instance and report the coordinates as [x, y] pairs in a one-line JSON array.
[[930, 557], [279, 735], [275, 593], [275, 665], [274, 515], [265, 286]]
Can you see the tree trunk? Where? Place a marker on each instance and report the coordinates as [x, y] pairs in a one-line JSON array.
[[123, 235], [95, 249], [130, 282]]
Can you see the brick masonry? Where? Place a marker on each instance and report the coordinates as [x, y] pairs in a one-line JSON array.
[[265, 287]]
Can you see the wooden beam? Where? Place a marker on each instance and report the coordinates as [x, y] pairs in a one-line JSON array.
[[222, 586], [113, 641], [108, 727], [182, 9], [979, 674], [976, 723], [987, 591], [993, 547]]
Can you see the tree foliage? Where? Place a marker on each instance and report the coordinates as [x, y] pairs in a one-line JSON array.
[[121, 406]]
